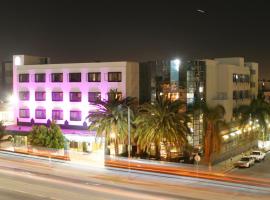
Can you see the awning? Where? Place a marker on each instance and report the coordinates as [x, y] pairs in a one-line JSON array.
[[71, 132]]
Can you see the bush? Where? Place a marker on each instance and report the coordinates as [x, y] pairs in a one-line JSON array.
[[50, 137], [2, 130]]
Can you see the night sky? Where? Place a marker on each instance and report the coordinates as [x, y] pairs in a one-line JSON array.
[[80, 31]]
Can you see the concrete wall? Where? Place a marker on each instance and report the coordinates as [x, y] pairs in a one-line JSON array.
[[132, 80], [254, 77], [237, 61]]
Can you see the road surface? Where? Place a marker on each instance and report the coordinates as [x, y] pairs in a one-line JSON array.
[[39, 179], [259, 170]]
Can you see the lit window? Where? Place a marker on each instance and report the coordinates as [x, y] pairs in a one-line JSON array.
[[23, 78], [57, 96], [74, 77], [57, 77], [40, 114], [114, 76], [40, 96], [94, 77], [75, 116], [93, 97], [24, 113], [57, 114], [40, 78], [24, 95], [75, 96]]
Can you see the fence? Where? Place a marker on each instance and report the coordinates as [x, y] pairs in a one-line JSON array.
[[37, 151]]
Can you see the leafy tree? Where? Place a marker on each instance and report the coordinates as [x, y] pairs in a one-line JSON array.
[[50, 137], [110, 119], [257, 111], [161, 122]]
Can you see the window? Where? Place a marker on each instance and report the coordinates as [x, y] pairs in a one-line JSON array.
[[74, 77], [40, 78], [246, 94], [23, 78], [94, 97], [114, 76], [252, 84], [73, 145], [75, 116], [235, 78], [75, 96], [57, 96], [57, 77], [247, 78], [57, 114], [40, 96], [235, 95], [24, 95], [113, 96], [24, 113], [241, 94], [94, 77], [40, 114], [253, 72]]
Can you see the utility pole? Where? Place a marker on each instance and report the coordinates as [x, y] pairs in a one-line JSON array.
[[129, 133]]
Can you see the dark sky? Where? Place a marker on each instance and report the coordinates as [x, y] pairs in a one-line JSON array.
[[79, 31]]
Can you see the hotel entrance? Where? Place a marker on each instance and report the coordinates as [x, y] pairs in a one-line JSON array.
[[85, 149]]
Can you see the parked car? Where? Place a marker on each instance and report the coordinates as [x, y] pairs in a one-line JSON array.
[[258, 155], [245, 161]]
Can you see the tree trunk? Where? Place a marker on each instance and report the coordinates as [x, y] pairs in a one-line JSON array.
[[208, 143], [138, 151], [157, 152], [168, 151], [116, 147]]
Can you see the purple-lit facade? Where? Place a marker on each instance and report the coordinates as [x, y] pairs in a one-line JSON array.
[[63, 92]]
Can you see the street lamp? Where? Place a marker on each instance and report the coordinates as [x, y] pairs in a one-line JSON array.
[[129, 133]]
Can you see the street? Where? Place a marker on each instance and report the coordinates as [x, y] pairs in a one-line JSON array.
[[39, 179], [259, 170]]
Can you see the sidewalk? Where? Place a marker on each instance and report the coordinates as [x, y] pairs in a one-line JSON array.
[[227, 165]]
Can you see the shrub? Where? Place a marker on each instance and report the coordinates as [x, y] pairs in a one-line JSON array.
[[50, 137]]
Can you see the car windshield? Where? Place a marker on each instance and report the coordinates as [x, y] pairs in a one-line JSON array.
[[255, 153], [244, 159]]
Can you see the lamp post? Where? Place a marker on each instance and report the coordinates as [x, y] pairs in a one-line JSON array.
[[129, 133]]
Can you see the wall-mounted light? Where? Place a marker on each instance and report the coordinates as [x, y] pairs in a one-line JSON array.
[[17, 60], [200, 89], [225, 137]]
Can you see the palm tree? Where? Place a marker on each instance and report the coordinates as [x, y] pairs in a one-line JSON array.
[[110, 119], [213, 119], [161, 122], [258, 111]]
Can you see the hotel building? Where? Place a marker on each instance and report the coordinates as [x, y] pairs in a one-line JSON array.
[[63, 92]]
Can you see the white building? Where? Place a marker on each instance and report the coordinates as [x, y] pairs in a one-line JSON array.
[[231, 82], [63, 92]]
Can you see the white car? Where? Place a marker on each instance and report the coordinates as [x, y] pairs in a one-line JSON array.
[[245, 161], [257, 155]]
